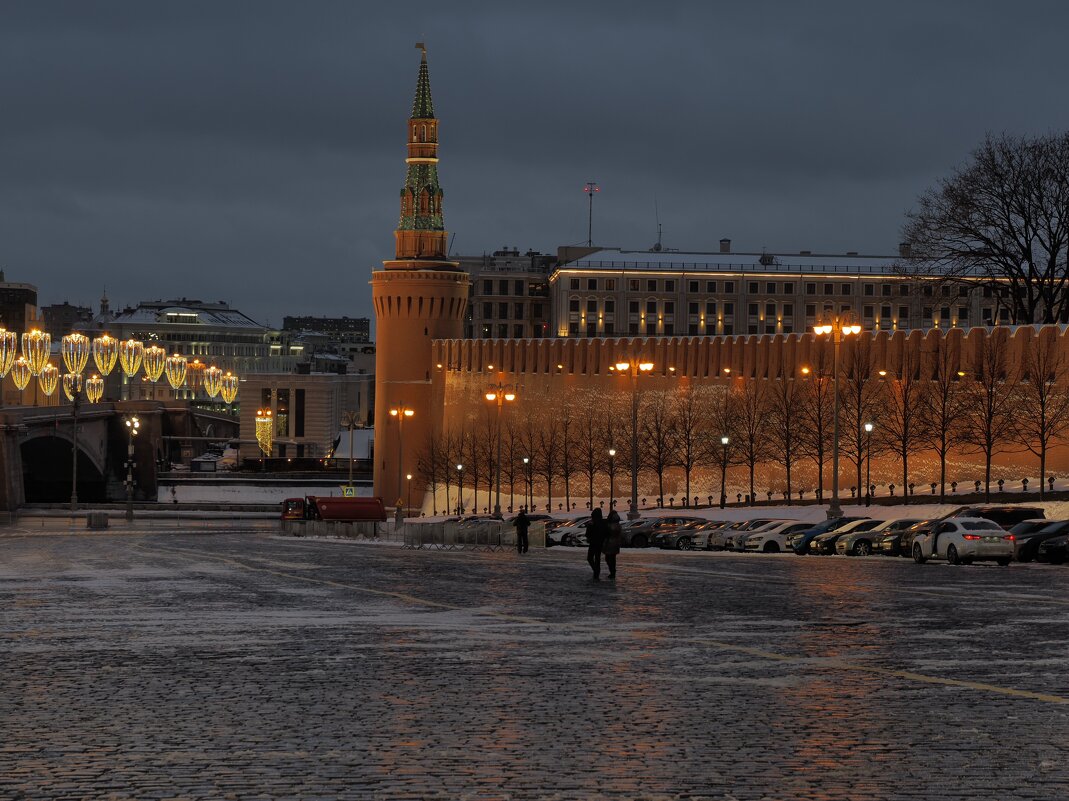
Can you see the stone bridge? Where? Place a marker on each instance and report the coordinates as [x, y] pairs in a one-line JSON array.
[[36, 448]]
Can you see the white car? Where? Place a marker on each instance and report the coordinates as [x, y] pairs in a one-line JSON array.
[[569, 533], [961, 540], [773, 539]]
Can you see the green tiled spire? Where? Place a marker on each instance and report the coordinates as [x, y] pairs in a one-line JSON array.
[[422, 107]]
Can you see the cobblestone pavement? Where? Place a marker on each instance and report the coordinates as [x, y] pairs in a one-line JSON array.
[[242, 665]]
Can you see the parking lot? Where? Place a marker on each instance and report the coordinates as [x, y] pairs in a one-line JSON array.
[[244, 665]]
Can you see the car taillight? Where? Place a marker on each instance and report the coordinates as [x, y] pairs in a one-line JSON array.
[[971, 536], [1010, 537]]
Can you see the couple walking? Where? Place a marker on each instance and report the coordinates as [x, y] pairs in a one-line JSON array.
[[603, 536]]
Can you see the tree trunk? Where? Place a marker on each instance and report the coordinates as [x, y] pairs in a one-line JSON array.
[[942, 473], [905, 478], [987, 476], [1042, 468], [752, 499]]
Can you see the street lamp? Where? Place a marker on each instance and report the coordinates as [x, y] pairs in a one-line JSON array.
[[868, 463], [838, 327], [612, 478], [636, 368], [528, 496], [133, 426], [724, 441], [350, 420], [500, 394], [401, 413], [460, 489], [408, 478]]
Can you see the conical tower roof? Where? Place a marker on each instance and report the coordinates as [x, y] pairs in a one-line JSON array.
[[422, 106]]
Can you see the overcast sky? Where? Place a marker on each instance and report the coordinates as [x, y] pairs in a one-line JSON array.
[[254, 151]]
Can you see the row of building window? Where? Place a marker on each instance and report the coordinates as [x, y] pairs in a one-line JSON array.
[[517, 310], [886, 289], [514, 287]]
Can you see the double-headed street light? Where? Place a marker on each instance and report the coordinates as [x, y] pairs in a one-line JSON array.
[[724, 442], [499, 393], [133, 427], [635, 368], [460, 489], [838, 327], [528, 496], [401, 413]]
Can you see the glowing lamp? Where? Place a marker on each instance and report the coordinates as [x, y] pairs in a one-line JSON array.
[[229, 388], [72, 385], [510, 396], [883, 372], [36, 347], [854, 329], [175, 369], [9, 350], [622, 365], [20, 373], [265, 430], [805, 371], [75, 349], [105, 353], [155, 360], [491, 396], [409, 412], [131, 352], [94, 388], [213, 381], [195, 375], [48, 379]]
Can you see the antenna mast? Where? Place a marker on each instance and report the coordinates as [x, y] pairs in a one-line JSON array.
[[590, 188]]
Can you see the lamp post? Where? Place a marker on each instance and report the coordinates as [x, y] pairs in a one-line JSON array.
[[838, 327], [408, 478], [400, 413], [350, 420], [612, 478], [500, 394], [460, 489], [635, 367], [724, 441], [528, 491], [868, 463], [133, 426]]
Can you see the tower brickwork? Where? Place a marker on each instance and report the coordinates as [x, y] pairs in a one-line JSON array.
[[419, 296]]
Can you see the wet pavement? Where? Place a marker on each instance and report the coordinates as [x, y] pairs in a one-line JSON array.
[[237, 664]]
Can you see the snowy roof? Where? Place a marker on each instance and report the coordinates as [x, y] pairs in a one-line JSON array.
[[185, 312], [617, 259]]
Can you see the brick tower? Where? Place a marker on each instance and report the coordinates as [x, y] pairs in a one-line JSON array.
[[419, 296]]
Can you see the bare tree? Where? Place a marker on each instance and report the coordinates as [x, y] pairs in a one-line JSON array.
[[719, 408], [817, 413], [990, 389], [1002, 218], [569, 462], [547, 455], [858, 399], [1043, 398], [943, 406], [751, 430], [657, 434], [689, 433], [429, 468], [510, 457], [588, 446], [902, 403], [785, 407]]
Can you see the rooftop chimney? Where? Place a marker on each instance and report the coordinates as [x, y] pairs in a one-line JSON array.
[[725, 245], [905, 249]]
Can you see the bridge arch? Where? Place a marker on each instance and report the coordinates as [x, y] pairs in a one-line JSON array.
[[46, 471]]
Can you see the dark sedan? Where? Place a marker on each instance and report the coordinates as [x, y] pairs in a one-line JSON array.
[[1028, 543], [800, 542], [1054, 550], [898, 541]]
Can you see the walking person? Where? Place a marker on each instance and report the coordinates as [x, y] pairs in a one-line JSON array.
[[596, 530], [614, 539], [522, 523]]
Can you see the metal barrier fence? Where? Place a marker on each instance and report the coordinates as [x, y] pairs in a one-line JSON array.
[[492, 536], [337, 528]]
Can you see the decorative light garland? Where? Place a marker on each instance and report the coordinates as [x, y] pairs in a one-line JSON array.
[[195, 375], [9, 350], [229, 388], [265, 430], [72, 385], [94, 388], [155, 360], [48, 379], [130, 354], [20, 373], [75, 349], [36, 347], [175, 368], [213, 378], [105, 352]]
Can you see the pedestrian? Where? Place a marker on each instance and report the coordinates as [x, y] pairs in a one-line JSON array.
[[614, 538], [595, 537], [522, 523]]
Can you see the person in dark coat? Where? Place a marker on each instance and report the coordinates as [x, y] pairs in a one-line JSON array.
[[522, 523], [596, 529], [614, 539]]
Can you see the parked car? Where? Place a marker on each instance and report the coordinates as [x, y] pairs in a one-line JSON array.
[[799, 541], [1055, 550], [667, 526], [719, 540], [1005, 516], [737, 540], [898, 542], [773, 539], [862, 542], [1026, 546], [678, 538], [568, 533], [704, 532], [638, 533], [961, 540], [824, 544]]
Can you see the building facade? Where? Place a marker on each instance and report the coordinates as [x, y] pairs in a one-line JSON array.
[[61, 319], [670, 293], [341, 329], [18, 303], [509, 294]]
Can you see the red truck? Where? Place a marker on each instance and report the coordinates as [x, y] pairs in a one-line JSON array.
[[332, 507]]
